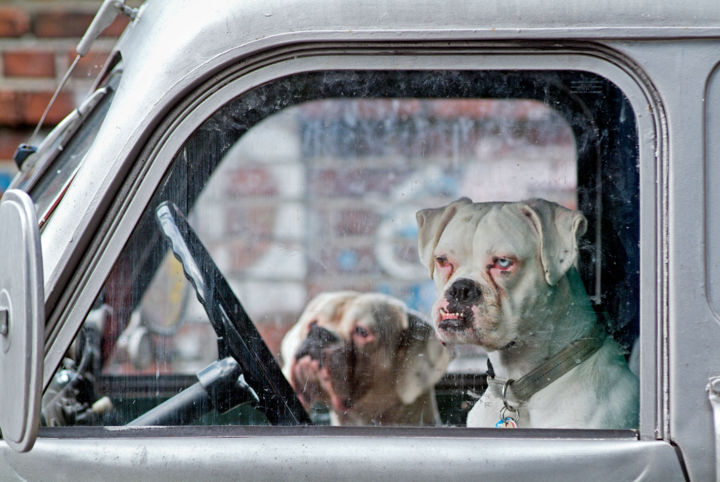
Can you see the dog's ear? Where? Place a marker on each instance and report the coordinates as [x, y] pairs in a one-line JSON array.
[[290, 344], [421, 360], [558, 230], [431, 224]]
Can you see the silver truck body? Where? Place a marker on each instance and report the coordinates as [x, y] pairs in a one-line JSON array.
[[180, 60]]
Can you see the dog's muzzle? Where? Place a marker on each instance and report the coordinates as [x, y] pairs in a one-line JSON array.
[[318, 338], [461, 296]]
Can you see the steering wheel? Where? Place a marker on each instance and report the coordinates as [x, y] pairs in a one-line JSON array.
[[237, 336]]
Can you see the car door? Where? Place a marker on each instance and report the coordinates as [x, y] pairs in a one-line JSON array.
[[291, 175]]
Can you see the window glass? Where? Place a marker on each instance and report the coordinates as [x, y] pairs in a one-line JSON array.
[[284, 242], [50, 171]]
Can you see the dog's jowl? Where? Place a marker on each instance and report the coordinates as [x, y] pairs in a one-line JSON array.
[[506, 278], [367, 357]]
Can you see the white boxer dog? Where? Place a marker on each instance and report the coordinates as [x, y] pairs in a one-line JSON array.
[[508, 283], [367, 357]]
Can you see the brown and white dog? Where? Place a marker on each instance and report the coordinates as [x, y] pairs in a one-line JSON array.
[[507, 282], [367, 357]]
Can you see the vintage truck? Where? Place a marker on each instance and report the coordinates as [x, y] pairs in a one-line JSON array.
[[236, 158]]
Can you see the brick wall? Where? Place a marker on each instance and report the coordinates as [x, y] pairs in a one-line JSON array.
[[37, 45]]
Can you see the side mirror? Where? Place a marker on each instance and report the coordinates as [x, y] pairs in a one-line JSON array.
[[22, 320]]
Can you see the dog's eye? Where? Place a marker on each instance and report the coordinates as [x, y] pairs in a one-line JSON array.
[[362, 332], [503, 263], [442, 261]]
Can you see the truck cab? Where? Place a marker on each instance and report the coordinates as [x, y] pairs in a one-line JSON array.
[[235, 159]]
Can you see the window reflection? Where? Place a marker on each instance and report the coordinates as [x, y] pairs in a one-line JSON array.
[[323, 195]]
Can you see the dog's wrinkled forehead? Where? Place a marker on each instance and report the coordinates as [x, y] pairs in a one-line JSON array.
[[341, 311], [504, 230], [456, 239], [522, 226], [453, 225], [328, 309], [377, 312]]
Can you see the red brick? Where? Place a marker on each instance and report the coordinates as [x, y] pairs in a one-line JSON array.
[[521, 110], [89, 65], [273, 332], [117, 27], [241, 253], [255, 222], [319, 284], [61, 23], [354, 182], [356, 222], [28, 63], [14, 22], [335, 260], [8, 108], [68, 23], [250, 181], [26, 108], [10, 139]]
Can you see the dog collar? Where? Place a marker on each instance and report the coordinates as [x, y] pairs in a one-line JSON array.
[[547, 372]]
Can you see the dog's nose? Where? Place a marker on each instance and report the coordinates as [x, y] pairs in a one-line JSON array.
[[321, 334], [464, 291], [317, 338]]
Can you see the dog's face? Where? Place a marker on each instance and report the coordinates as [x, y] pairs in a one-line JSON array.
[[496, 266], [349, 349]]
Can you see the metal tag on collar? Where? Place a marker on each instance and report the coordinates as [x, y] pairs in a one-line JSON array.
[[507, 421]]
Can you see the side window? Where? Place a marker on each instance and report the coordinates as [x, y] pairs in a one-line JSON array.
[[378, 248]]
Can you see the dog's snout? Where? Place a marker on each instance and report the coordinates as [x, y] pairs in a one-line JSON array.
[[464, 291], [317, 338], [323, 335]]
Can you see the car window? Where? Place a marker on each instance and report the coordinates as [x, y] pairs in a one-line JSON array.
[[48, 173], [340, 248]]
